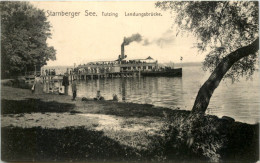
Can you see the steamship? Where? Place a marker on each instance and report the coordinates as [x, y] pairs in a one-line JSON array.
[[127, 67]]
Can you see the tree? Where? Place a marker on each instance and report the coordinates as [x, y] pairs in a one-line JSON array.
[[228, 30], [24, 32]]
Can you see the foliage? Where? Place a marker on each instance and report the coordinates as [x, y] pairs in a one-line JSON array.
[[17, 83], [220, 27], [24, 30], [196, 137]]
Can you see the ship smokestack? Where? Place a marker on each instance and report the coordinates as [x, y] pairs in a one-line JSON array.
[[123, 49], [127, 40]]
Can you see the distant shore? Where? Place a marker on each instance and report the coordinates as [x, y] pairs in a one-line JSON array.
[[50, 127]]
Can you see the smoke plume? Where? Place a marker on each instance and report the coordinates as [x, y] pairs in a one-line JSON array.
[[135, 37], [146, 42], [167, 38]]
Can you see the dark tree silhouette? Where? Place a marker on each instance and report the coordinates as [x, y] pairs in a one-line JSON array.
[[229, 30], [24, 32]]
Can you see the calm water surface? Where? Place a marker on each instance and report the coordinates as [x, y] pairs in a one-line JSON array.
[[238, 100]]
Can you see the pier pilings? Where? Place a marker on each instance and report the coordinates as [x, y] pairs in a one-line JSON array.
[[86, 76], [92, 76]]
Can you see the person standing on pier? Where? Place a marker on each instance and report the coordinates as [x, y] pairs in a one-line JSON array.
[[74, 90], [65, 83], [38, 85]]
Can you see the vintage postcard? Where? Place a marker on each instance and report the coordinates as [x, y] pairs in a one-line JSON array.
[[120, 81]]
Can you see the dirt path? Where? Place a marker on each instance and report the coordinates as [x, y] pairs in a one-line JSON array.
[[99, 122]]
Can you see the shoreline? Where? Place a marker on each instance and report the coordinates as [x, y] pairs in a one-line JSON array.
[[17, 83], [24, 109]]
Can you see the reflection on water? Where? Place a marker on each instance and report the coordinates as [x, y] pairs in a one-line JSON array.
[[239, 100]]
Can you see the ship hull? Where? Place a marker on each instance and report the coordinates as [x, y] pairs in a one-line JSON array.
[[166, 73]]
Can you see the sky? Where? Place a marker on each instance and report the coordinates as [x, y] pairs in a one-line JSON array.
[[98, 38]]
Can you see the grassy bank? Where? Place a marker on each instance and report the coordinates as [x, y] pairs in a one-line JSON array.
[[53, 128]]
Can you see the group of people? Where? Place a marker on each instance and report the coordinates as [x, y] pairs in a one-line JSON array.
[[37, 87]]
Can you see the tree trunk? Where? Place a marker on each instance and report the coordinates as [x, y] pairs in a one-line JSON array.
[[202, 100]]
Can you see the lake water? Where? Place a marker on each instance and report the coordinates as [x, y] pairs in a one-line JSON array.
[[239, 100]]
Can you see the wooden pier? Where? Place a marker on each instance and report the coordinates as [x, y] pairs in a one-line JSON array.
[[87, 76], [90, 75]]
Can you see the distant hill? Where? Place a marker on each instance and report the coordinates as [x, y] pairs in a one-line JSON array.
[[184, 64]]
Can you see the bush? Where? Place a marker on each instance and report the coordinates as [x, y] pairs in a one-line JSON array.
[[194, 137], [17, 83]]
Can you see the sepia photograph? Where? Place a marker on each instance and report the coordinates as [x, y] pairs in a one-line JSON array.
[[130, 81]]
